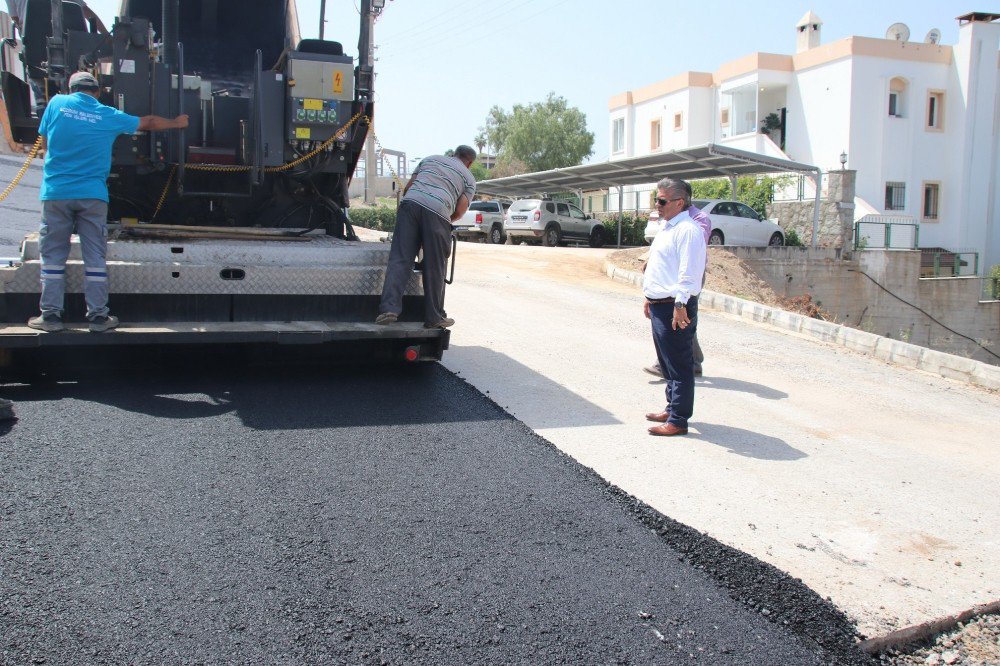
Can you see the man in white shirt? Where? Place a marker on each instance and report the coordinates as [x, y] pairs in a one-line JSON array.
[[705, 222], [671, 284]]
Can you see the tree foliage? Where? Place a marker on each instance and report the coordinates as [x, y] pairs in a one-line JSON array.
[[755, 191], [479, 172], [544, 135]]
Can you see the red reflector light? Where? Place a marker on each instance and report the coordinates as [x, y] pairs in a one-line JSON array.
[[538, 215], [479, 218], [412, 354]]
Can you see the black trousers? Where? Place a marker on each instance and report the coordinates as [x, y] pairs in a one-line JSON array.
[[416, 228]]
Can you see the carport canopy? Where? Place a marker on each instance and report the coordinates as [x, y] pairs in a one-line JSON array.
[[708, 161], [696, 163]]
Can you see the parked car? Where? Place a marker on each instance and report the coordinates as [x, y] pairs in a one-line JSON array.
[[483, 222], [733, 223], [552, 222]]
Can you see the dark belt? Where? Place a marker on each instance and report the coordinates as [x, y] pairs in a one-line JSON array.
[[657, 301]]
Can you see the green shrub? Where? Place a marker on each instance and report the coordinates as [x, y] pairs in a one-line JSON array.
[[633, 228], [792, 238], [995, 281], [379, 218]]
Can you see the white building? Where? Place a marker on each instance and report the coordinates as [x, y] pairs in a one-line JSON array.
[[919, 121]]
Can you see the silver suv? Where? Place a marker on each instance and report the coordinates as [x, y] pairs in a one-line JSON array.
[[551, 222]]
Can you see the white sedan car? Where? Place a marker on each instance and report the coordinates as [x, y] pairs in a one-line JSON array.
[[733, 223]]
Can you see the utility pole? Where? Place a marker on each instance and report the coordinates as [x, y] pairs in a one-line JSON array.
[[322, 17], [366, 85]]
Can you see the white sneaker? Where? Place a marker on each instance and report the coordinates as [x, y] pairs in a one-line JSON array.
[[103, 323]]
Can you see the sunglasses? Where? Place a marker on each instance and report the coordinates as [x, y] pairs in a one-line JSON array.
[[664, 202]]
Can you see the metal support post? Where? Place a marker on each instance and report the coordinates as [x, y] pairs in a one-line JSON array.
[[370, 167], [57, 49], [621, 211], [732, 188], [322, 17], [818, 180]]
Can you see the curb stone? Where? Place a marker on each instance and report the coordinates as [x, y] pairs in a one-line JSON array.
[[895, 352], [925, 630]]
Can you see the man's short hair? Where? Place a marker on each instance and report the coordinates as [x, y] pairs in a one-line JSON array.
[[83, 81], [465, 153], [676, 186]]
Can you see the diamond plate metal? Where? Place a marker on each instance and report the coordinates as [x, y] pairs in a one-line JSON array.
[[160, 278]]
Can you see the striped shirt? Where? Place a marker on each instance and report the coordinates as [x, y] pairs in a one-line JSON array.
[[438, 182]]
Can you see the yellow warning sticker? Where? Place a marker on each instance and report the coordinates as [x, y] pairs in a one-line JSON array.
[[338, 82], [312, 104], [303, 133]]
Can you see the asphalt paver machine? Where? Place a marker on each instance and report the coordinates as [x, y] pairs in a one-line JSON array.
[[236, 229]]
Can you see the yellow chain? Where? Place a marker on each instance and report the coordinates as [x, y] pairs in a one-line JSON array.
[[24, 169], [163, 196], [381, 151]]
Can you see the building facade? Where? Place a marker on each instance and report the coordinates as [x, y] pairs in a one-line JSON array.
[[918, 121]]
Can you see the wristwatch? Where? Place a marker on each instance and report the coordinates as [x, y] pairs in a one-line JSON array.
[[679, 306]]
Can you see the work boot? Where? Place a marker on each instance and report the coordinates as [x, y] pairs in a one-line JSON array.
[[444, 323], [103, 323], [50, 322], [386, 318]]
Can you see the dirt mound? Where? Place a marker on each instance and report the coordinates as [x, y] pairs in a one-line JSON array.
[[728, 275]]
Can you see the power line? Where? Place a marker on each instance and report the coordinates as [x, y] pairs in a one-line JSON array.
[[409, 30], [925, 313], [458, 25]]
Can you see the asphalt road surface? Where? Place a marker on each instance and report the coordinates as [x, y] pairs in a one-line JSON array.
[[20, 212], [266, 515]]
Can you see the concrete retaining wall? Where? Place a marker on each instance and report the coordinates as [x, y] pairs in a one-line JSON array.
[[841, 288], [886, 349]]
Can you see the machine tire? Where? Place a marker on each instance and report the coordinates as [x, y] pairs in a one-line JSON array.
[[553, 236], [776, 240], [497, 236], [597, 237], [716, 238]]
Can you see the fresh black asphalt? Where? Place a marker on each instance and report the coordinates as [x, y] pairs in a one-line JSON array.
[[207, 515]]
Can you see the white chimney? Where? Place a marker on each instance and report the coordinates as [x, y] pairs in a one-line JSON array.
[[807, 30]]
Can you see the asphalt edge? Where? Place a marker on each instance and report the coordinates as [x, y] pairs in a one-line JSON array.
[[894, 352], [763, 588], [918, 633]]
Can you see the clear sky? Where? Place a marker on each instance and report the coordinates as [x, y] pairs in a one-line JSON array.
[[443, 63]]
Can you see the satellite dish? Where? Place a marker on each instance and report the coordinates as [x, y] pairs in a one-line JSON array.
[[898, 31], [933, 37]]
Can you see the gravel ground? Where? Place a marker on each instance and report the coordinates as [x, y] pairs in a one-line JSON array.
[[975, 643], [351, 516]]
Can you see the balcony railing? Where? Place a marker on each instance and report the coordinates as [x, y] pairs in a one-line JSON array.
[[886, 232], [939, 262]]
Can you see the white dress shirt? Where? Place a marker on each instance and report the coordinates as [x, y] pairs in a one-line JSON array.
[[676, 261]]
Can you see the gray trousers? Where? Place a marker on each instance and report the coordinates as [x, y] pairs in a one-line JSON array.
[[89, 219], [416, 228]]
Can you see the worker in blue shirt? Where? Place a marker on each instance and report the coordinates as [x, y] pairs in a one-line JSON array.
[[78, 133]]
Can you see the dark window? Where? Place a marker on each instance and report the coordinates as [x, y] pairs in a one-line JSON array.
[[577, 213], [562, 209], [893, 104], [724, 208], [483, 206], [931, 194], [747, 211], [550, 207], [895, 196]]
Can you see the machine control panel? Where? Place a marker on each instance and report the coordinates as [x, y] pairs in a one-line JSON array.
[[320, 95], [315, 119]]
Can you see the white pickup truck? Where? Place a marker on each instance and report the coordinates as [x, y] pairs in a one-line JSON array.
[[483, 222]]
